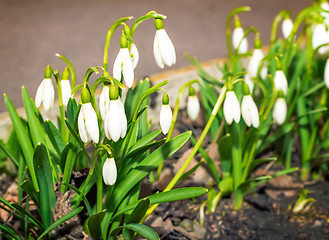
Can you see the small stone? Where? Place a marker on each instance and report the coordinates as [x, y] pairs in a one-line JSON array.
[[187, 224], [316, 224]]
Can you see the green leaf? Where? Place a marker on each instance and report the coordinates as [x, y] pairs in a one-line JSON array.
[[10, 231], [142, 230], [94, 225], [28, 188], [70, 66], [60, 221], [71, 111], [35, 221], [145, 140]]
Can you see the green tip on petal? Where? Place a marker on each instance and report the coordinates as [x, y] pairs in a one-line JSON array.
[[280, 93], [245, 89], [48, 72], [85, 96], [230, 86], [237, 22], [258, 42], [114, 92], [165, 99], [126, 30], [123, 41], [158, 23], [66, 74], [191, 91]]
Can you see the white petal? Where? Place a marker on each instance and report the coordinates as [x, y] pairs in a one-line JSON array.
[[231, 108], [109, 171], [66, 91], [82, 127], [165, 118], [237, 36], [104, 100], [326, 73], [280, 111], [114, 122], [127, 68], [255, 59], [253, 112], [123, 119], [39, 94], [91, 121], [263, 72], [156, 53], [245, 110], [287, 26], [166, 47], [236, 108], [249, 81], [280, 81], [106, 129], [134, 52], [48, 96], [320, 36], [117, 66], [193, 107]]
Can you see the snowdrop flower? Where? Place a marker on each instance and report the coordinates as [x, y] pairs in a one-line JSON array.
[[320, 36], [163, 48], [135, 55], [280, 81], [165, 114], [326, 73], [249, 109], [238, 37], [193, 105], [109, 171], [325, 6], [231, 106], [123, 63], [87, 119], [280, 109], [104, 98], [45, 93], [66, 87], [287, 26], [255, 60], [115, 125], [248, 80]]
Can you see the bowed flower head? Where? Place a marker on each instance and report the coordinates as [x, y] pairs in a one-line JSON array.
[[280, 109], [87, 119], [280, 81], [123, 63], [231, 106], [193, 105], [320, 36], [115, 125], [255, 60], [287, 26], [238, 39], [66, 86], [163, 48], [109, 171], [104, 98], [249, 109], [165, 114], [45, 93]]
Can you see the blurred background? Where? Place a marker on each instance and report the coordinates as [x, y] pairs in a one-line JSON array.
[[32, 31]]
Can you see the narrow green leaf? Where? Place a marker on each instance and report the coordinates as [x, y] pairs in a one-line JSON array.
[[28, 188], [10, 231], [85, 200], [94, 225], [33, 220], [145, 140], [142, 230]]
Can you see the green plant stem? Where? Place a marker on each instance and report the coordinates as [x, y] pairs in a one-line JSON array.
[[108, 39], [275, 26], [174, 117], [151, 14], [174, 181], [99, 184]]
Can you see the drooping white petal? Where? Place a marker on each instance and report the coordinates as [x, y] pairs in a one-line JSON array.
[[231, 108], [249, 81], [114, 121], [280, 111], [193, 107], [104, 100], [326, 73], [249, 111], [48, 94], [287, 26], [39, 94], [319, 37], [117, 66], [325, 6], [245, 110], [109, 171], [166, 47], [127, 67], [156, 53], [66, 91], [280, 81], [91, 122], [237, 36], [255, 59], [123, 119], [165, 118], [135, 55], [82, 127]]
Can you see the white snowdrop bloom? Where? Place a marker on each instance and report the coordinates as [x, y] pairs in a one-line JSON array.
[[123, 63], [325, 6], [287, 26], [104, 100], [280, 81], [163, 48], [135, 55], [280, 111], [193, 107], [109, 171], [254, 62], [115, 125], [320, 36], [237, 36], [45, 94], [249, 81], [165, 118], [231, 108], [66, 91], [249, 111], [88, 124], [326, 73]]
